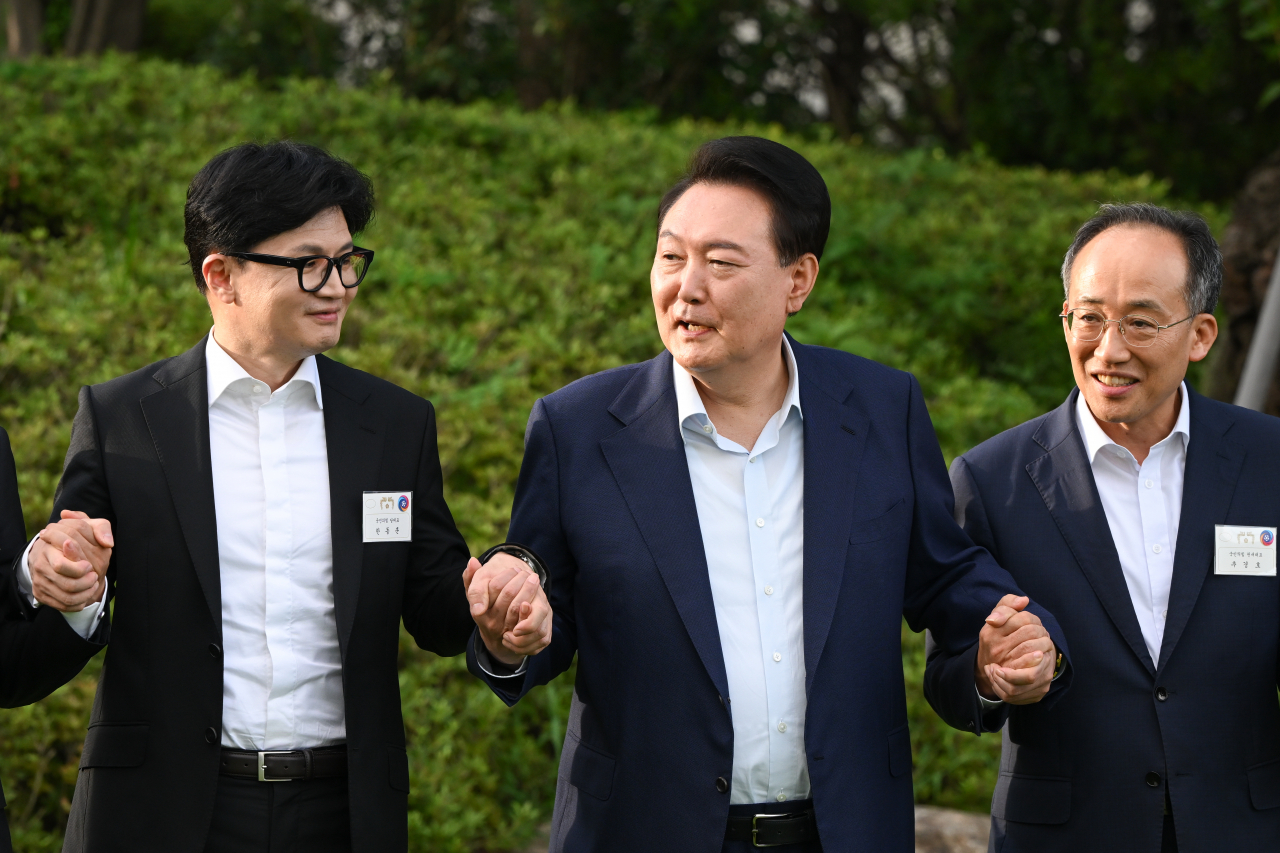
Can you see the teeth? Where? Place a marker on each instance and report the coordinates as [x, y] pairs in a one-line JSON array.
[[1115, 381]]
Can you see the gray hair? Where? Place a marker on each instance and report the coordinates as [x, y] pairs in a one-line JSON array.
[[1204, 258]]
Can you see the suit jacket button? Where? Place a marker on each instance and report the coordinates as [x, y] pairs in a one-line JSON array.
[[215, 650], [722, 784], [1153, 779], [211, 734], [1162, 694]]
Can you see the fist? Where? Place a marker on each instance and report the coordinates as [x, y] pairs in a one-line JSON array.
[[1016, 657], [69, 560], [509, 606]]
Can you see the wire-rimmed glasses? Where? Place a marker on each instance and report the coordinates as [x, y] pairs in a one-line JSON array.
[[1088, 324], [314, 270]]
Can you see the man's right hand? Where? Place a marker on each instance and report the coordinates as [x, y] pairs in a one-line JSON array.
[[1016, 656], [68, 562]]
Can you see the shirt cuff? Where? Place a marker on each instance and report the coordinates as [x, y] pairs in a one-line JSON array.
[[987, 704], [83, 622], [488, 665]]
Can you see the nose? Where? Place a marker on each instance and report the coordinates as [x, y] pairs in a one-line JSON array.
[[332, 287], [692, 284], [1111, 347]]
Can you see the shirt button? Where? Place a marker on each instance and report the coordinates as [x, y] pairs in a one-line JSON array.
[[1164, 614], [782, 798], [752, 459], [1155, 548], [707, 428], [768, 590], [759, 522], [257, 389], [782, 727], [777, 656], [1150, 484]]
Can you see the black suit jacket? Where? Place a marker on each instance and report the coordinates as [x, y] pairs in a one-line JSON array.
[[1202, 724], [139, 456]]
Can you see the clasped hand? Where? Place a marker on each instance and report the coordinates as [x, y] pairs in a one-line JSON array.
[[68, 561], [509, 606], [1016, 657]]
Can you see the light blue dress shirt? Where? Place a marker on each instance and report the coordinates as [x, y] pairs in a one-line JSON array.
[[751, 514]]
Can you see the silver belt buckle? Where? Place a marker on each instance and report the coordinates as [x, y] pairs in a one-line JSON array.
[[755, 828], [262, 766]]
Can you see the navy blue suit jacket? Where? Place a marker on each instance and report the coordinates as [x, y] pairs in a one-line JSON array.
[[605, 499], [1202, 724]]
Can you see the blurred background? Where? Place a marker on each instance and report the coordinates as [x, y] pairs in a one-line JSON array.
[[519, 148]]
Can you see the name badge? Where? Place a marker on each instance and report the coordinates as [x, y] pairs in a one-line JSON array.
[[1245, 551], [388, 517]]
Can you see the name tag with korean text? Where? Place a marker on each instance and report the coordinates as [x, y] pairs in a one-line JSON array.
[[1244, 551], [388, 516]]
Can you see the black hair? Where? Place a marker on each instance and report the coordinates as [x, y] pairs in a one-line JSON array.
[[252, 192], [796, 193], [1204, 258]]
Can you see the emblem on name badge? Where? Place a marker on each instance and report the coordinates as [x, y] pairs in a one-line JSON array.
[[403, 503], [1267, 537]]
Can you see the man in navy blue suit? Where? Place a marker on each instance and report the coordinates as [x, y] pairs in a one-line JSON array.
[[733, 532], [1144, 516]]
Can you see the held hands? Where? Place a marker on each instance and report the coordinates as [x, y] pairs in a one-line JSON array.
[[69, 560], [510, 607], [1016, 658]]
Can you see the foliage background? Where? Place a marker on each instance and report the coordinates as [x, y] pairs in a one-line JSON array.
[[513, 252]]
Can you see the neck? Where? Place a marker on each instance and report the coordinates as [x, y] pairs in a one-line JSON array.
[[266, 366], [741, 398], [1145, 433]]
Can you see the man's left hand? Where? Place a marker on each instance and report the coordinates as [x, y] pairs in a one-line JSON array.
[[1016, 657], [509, 606]]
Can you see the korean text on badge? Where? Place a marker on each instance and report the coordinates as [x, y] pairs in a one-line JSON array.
[[388, 516], [1244, 550]]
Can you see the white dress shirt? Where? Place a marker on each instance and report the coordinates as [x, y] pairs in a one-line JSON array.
[[751, 514], [1143, 505], [282, 670]]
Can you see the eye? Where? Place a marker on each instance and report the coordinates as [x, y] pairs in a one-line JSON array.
[[1089, 317], [1141, 323], [312, 265]]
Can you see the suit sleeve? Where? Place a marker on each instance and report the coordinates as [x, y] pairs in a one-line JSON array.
[[435, 609], [39, 651], [536, 523], [952, 582]]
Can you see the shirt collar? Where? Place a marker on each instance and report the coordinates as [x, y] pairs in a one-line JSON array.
[[1095, 439], [689, 402], [222, 370]]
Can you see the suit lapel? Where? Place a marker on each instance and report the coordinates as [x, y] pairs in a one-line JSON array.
[[353, 435], [1212, 469], [1064, 479], [648, 461], [834, 439], [177, 417]]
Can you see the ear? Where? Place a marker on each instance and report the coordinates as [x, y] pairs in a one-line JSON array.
[[804, 274], [1204, 331], [216, 270]]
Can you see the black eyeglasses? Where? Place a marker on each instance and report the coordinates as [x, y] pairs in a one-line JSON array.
[[314, 270]]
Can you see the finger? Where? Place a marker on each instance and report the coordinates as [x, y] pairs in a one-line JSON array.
[[1029, 661], [521, 604], [102, 532], [1019, 677], [506, 595], [71, 513], [1006, 607], [473, 566], [478, 592]]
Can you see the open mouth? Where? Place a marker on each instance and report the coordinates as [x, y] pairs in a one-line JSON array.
[[1115, 381], [691, 327]]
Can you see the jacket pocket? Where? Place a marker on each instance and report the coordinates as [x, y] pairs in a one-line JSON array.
[[398, 769], [592, 772], [1032, 799], [871, 529], [1264, 785], [900, 751], [115, 745]]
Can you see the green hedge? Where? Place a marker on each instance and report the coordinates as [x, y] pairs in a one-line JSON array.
[[513, 255]]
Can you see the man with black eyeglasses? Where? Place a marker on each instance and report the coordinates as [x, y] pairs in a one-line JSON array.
[[275, 515], [1144, 515]]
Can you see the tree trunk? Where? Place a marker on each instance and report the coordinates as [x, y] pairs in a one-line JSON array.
[[1250, 245], [532, 89], [24, 20], [843, 63], [98, 25]]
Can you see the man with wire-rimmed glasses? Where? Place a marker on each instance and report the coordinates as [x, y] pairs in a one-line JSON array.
[[275, 515], [1144, 516]]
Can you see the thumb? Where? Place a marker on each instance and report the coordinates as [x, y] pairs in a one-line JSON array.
[[102, 532], [1007, 606], [477, 591], [71, 513]]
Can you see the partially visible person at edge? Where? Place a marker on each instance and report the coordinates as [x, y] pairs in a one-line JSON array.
[[1144, 515], [734, 531], [275, 515]]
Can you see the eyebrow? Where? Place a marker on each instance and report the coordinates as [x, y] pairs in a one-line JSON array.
[[1148, 304], [313, 249], [712, 244]]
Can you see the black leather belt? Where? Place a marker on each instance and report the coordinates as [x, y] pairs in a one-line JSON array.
[[275, 766], [773, 830]]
